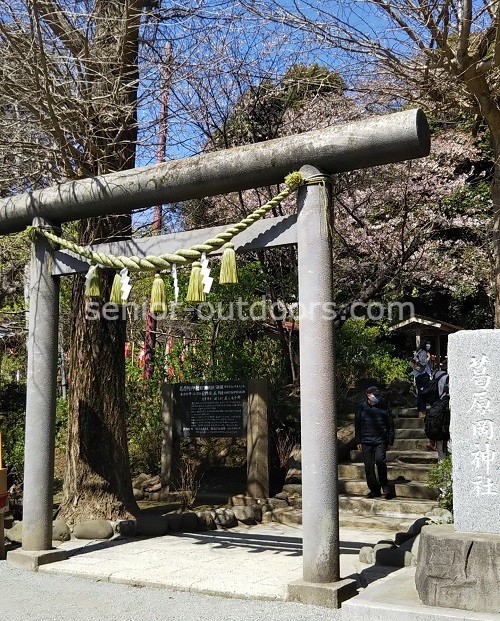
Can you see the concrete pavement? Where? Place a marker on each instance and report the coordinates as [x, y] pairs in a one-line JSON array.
[[255, 562]]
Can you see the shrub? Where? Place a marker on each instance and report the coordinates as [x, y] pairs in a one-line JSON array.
[[440, 477], [361, 352], [144, 423], [12, 408]]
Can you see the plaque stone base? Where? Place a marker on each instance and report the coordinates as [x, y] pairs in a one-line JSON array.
[[458, 570]]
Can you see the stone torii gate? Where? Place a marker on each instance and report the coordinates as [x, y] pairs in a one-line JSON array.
[[371, 142]]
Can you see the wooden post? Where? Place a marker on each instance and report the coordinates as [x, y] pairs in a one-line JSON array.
[[257, 440], [171, 442]]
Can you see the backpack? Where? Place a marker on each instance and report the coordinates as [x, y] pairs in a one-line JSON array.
[[437, 420], [431, 392]]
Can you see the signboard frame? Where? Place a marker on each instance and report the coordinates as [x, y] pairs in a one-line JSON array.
[[211, 409]]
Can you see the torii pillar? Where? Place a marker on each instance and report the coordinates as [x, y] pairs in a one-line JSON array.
[[321, 583]]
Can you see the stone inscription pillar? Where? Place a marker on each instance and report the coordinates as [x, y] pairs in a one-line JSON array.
[[458, 564], [474, 368]]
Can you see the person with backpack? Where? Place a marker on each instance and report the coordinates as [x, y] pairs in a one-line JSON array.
[[374, 434], [437, 419]]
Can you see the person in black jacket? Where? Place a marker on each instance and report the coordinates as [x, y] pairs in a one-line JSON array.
[[374, 434]]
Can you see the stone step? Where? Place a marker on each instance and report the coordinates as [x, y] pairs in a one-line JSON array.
[[406, 457], [416, 490], [396, 508], [348, 519], [408, 423], [410, 444], [351, 520], [405, 411], [415, 434], [410, 472]]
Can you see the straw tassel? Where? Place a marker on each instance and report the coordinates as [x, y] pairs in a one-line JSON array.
[[116, 291], [93, 282], [195, 291], [158, 302], [228, 271]]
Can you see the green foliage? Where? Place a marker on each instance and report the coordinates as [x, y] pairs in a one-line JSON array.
[[361, 352], [209, 349], [260, 112], [440, 478], [144, 403], [471, 199], [302, 82], [12, 408]]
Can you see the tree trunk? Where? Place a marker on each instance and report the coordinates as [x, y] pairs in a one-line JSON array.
[[479, 88], [97, 481]]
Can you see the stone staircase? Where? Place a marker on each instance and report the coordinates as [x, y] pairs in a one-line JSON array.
[[409, 463]]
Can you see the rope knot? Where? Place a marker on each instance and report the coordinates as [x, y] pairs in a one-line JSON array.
[[294, 180]]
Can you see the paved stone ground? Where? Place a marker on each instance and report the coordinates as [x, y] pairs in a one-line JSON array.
[[248, 562], [179, 577]]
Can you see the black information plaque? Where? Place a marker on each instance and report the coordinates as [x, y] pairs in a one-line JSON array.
[[216, 409]]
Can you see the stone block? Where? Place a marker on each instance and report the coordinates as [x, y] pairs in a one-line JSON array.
[[384, 545], [367, 555], [93, 529], [412, 546], [225, 518], [295, 502], [138, 494], [293, 477], [257, 511], [245, 515], [126, 528], [288, 516], [60, 531], [237, 501], [439, 516], [474, 360], [394, 557], [293, 488], [152, 525], [282, 496], [15, 533], [267, 517], [206, 520], [27, 559], [140, 480], [458, 570], [182, 522], [329, 594], [278, 503]]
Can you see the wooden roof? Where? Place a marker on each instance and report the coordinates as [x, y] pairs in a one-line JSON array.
[[418, 324]]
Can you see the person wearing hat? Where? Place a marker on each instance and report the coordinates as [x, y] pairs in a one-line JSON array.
[[374, 434]]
